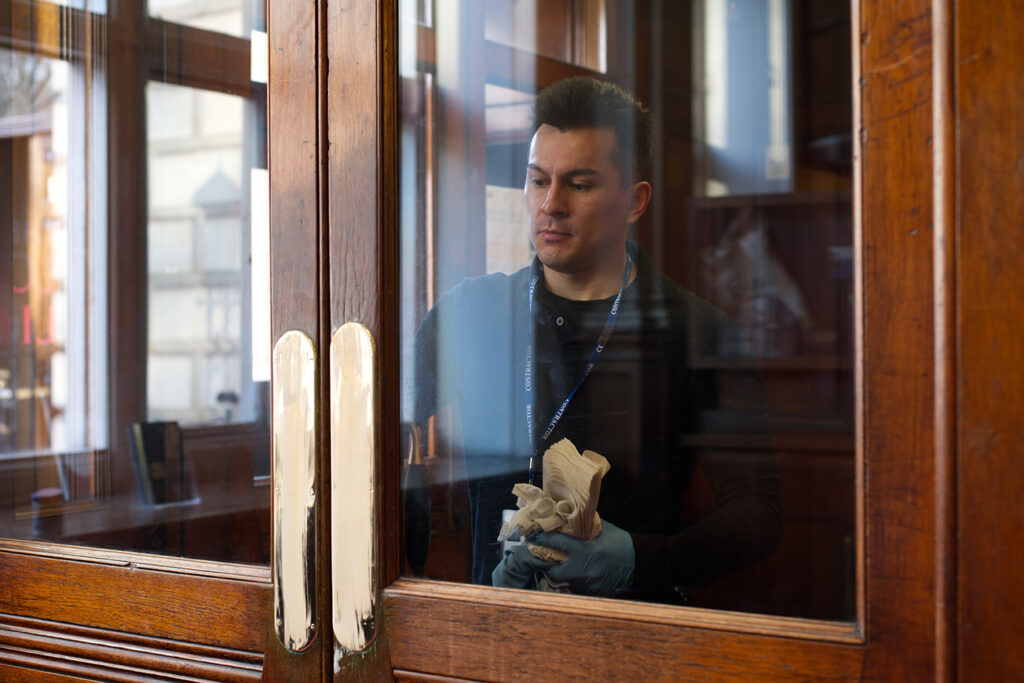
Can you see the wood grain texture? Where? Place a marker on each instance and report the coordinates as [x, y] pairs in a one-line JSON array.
[[295, 151], [480, 641], [10, 673], [294, 171], [629, 611], [989, 104], [115, 656], [361, 108], [416, 677], [127, 337], [894, 127], [194, 609]]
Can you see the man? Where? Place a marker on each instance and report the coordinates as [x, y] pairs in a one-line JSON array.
[[591, 343]]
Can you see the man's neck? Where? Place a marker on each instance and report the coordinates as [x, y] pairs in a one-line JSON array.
[[590, 286]]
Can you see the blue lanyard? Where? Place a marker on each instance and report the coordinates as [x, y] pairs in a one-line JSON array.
[[602, 340]]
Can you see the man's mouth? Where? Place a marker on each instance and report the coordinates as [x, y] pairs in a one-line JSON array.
[[553, 234]]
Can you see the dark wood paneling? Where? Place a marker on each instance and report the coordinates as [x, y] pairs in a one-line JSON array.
[[362, 112], [894, 66], [509, 638], [127, 257], [115, 656], [295, 157], [416, 677], [122, 596], [989, 101], [22, 674]]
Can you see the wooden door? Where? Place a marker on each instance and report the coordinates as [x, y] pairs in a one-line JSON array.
[[897, 628], [934, 448], [140, 302]]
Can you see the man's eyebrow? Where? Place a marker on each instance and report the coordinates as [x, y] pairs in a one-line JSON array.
[[568, 174]]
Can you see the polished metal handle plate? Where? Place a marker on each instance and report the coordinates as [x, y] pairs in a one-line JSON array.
[[353, 486], [293, 455]]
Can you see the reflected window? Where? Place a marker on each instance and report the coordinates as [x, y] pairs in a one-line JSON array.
[[199, 254], [53, 421], [134, 315], [220, 16]]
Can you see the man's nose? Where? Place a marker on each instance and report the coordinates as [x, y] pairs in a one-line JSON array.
[[554, 203]]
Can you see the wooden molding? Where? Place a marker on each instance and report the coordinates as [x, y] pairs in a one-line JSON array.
[[120, 558], [495, 641], [130, 598], [418, 677], [554, 605], [113, 656]]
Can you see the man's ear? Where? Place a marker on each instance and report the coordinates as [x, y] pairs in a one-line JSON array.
[[640, 197]]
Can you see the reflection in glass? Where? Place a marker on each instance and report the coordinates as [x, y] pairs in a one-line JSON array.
[[222, 16], [53, 442], [713, 422], [107, 440], [199, 321]]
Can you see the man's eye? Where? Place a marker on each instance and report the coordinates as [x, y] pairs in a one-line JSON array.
[[537, 182], [580, 187]]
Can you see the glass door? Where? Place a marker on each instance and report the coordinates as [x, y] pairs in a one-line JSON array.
[[136, 361], [722, 400], [136, 261], [716, 322], [766, 511]]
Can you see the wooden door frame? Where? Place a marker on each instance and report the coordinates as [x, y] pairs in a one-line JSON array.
[[462, 631]]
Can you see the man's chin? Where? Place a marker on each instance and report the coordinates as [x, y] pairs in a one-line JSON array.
[[553, 260]]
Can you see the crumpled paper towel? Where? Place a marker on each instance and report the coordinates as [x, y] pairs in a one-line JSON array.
[[566, 504]]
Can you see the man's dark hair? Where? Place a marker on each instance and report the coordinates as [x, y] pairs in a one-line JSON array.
[[582, 102]]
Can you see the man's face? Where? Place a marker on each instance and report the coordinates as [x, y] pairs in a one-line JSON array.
[[579, 210]]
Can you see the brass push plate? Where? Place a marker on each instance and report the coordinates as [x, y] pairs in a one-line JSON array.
[[293, 453]]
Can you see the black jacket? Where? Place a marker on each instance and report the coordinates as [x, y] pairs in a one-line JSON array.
[[673, 389]]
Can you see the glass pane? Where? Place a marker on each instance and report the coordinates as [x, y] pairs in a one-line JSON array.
[[200, 334], [222, 16], [132, 399], [686, 317]]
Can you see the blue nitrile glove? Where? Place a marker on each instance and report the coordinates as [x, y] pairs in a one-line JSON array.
[[517, 568], [603, 566]]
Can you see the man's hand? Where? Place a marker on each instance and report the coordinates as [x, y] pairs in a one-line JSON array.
[[517, 568], [603, 566]]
